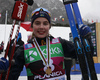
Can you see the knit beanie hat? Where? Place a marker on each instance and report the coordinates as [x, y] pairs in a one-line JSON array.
[[40, 12]]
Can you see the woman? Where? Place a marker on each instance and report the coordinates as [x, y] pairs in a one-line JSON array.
[[43, 55]]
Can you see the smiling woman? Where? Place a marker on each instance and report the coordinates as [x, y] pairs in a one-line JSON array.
[[41, 27], [43, 55]]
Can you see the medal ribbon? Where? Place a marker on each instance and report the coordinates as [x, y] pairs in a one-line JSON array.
[[40, 51], [48, 49]]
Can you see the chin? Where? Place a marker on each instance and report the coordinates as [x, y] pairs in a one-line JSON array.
[[41, 36]]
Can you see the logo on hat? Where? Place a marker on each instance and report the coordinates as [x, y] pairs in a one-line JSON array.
[[36, 13], [41, 15]]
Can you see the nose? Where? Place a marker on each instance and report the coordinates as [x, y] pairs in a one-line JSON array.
[[41, 25]]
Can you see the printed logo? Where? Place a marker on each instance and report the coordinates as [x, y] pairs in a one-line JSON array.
[[57, 73], [20, 10], [30, 55], [37, 13], [55, 40], [41, 15], [28, 46]]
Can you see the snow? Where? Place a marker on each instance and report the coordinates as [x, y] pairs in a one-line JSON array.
[[56, 31]]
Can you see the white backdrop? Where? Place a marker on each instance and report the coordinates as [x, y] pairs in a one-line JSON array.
[[55, 31]]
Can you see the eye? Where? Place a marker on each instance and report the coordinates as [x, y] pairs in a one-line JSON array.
[[37, 23], [46, 23]]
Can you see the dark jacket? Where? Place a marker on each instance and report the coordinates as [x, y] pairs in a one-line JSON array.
[[18, 44], [68, 49]]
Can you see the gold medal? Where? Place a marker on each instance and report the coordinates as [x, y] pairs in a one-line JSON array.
[[48, 71]]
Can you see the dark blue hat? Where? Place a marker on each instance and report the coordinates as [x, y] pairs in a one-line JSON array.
[[40, 12]]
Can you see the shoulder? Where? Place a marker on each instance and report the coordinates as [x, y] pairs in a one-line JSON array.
[[67, 45], [64, 41], [19, 51]]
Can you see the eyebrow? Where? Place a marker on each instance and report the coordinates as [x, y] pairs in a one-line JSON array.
[[43, 21]]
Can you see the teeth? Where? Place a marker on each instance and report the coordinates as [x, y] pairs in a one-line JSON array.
[[41, 32]]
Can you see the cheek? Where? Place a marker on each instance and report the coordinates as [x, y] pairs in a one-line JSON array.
[[34, 28], [47, 29]]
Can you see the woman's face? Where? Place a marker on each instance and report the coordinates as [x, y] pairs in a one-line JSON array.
[[41, 27]]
